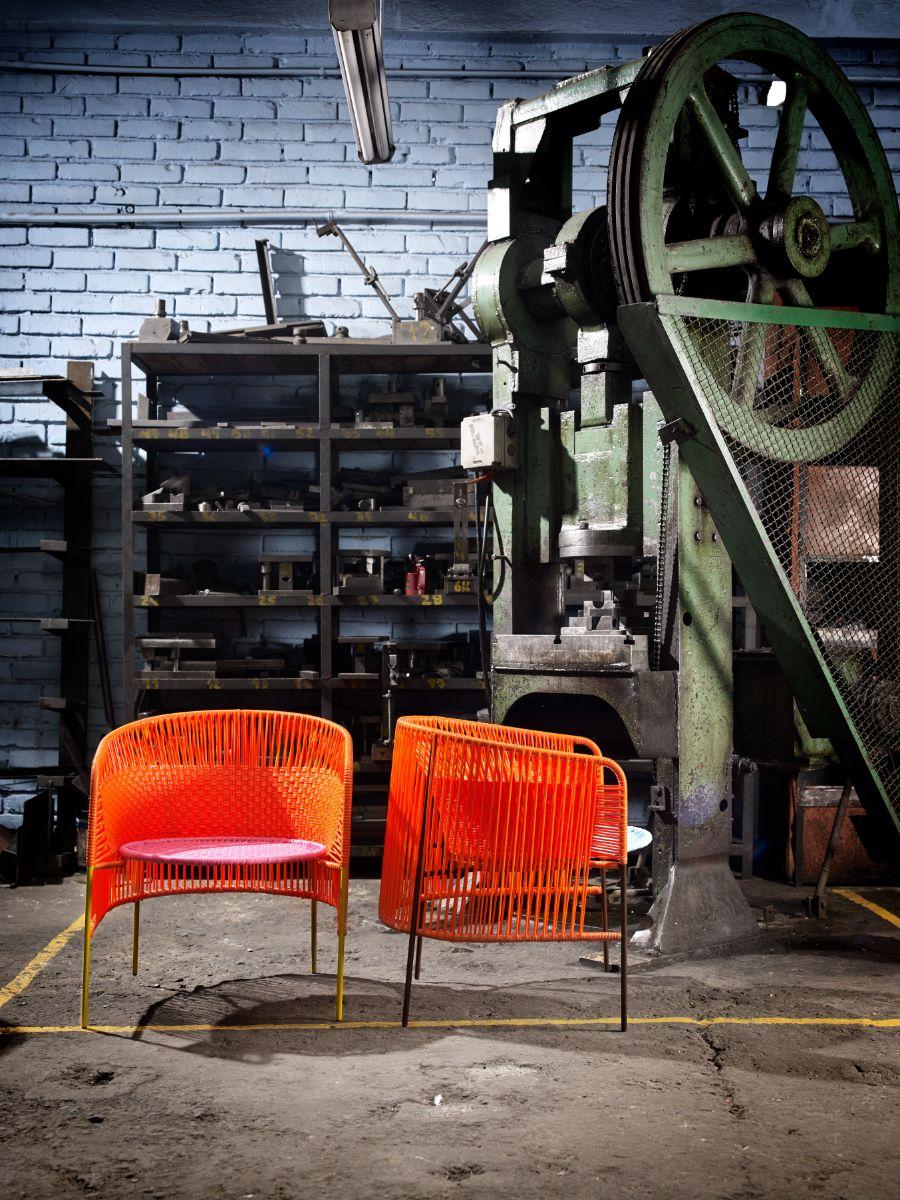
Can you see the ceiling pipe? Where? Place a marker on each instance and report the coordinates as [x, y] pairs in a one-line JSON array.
[[175, 72], [155, 218], [49, 68]]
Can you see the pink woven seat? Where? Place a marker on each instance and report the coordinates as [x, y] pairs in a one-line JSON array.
[[223, 851]]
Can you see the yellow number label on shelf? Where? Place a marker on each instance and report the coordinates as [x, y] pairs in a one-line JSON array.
[[416, 516], [265, 601], [367, 600], [436, 683], [149, 602], [213, 685], [156, 516], [435, 598], [315, 601], [365, 515], [261, 685]]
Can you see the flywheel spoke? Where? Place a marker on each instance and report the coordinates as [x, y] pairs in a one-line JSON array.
[[823, 348], [704, 254], [850, 235], [786, 153], [752, 346], [740, 186]]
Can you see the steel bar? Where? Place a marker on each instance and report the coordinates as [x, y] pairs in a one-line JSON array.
[[782, 314], [92, 219], [817, 904], [174, 71], [266, 280]]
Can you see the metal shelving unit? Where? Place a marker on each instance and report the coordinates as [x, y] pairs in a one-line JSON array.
[[46, 840], [234, 428]]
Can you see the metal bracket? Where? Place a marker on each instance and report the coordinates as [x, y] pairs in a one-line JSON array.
[[660, 799], [677, 431]]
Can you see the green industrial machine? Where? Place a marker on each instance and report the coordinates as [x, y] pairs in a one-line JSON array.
[[693, 380]]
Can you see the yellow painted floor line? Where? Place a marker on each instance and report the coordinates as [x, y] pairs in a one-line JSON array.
[[37, 964], [865, 902], [449, 1023]]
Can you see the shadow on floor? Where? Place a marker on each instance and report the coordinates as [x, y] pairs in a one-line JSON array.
[[821, 1052], [305, 999], [9, 1041]]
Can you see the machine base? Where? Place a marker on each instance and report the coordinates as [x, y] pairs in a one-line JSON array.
[[700, 905]]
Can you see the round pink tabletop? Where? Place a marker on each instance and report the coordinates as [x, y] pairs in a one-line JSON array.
[[225, 851]]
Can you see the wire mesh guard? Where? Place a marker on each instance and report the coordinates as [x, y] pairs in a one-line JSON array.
[[810, 417]]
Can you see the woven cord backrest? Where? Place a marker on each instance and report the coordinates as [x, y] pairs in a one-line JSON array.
[[509, 734], [610, 838], [227, 772], [507, 841]]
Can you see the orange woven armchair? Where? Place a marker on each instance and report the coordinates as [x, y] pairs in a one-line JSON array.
[[492, 834], [219, 801]]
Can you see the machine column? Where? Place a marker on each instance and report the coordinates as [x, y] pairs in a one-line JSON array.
[[701, 892]]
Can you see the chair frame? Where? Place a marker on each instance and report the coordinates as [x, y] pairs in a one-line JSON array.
[[492, 735], [129, 881]]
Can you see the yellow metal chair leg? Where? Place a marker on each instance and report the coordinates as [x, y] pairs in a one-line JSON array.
[[86, 960], [312, 936], [135, 936], [342, 930]]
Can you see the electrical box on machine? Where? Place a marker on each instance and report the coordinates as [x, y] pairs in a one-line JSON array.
[[488, 441]]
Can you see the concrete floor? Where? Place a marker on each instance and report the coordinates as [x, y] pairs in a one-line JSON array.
[[672, 1110]]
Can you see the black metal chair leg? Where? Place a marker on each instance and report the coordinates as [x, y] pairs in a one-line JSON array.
[[605, 919], [407, 990], [623, 970], [412, 958]]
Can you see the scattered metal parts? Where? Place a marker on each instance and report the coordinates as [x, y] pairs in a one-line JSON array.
[[369, 274], [285, 573], [159, 327], [266, 280]]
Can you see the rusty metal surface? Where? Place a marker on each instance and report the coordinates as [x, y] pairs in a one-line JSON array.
[[815, 811]]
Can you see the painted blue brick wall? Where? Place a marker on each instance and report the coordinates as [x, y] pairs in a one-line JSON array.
[[111, 143]]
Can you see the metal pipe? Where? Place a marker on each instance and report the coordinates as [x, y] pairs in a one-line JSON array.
[[817, 904], [239, 216], [50, 68], [176, 72]]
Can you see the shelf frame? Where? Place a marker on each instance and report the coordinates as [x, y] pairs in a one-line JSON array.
[[144, 426]]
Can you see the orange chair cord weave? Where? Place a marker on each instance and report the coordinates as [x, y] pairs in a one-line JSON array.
[[219, 774], [493, 831]]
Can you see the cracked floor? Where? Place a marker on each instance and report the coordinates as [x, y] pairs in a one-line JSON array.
[[689, 1110]]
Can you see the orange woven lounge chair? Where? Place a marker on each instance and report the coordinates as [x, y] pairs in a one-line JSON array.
[[221, 801], [492, 834]]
